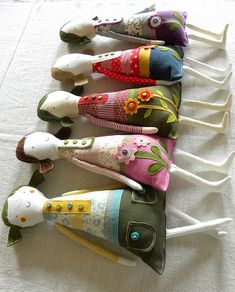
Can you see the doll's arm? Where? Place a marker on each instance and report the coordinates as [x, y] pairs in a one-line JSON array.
[[133, 39], [95, 248], [122, 127], [109, 173], [131, 79]]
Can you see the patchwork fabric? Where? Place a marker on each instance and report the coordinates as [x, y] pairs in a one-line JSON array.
[[144, 158], [168, 26], [155, 106], [144, 65]]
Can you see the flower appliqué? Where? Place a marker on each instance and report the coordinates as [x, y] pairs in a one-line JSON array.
[[125, 153], [131, 106], [145, 94], [155, 21], [141, 141]]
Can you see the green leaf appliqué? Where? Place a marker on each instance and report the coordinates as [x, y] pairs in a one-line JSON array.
[[177, 56], [159, 93], [163, 144], [148, 113], [155, 168], [178, 17], [164, 49], [164, 105], [156, 150], [176, 100], [171, 119], [174, 26]]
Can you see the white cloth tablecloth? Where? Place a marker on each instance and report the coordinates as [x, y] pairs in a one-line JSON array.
[[46, 260]]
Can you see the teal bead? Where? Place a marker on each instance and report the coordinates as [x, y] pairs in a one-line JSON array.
[[135, 235], [70, 206], [49, 205], [142, 192]]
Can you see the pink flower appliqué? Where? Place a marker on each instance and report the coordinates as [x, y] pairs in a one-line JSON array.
[[125, 153], [141, 141]]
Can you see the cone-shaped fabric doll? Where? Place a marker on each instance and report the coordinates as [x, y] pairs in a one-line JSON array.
[[131, 159], [147, 26], [146, 110]]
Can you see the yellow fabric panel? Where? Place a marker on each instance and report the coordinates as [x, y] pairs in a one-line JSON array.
[[88, 244], [78, 206], [76, 221], [144, 60], [103, 188]]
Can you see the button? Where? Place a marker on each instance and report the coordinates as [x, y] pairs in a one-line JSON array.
[[142, 192], [58, 207], [66, 142], [49, 205], [135, 235], [75, 141], [80, 207], [83, 142], [70, 206]]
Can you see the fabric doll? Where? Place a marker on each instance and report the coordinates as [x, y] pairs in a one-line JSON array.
[[148, 65], [122, 216], [145, 110], [147, 26], [130, 159]]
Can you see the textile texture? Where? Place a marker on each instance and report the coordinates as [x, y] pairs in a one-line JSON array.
[[46, 260]]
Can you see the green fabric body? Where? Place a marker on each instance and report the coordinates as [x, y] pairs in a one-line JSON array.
[[160, 118], [148, 219]]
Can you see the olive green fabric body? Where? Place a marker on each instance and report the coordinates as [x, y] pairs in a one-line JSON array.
[[159, 117], [148, 219]]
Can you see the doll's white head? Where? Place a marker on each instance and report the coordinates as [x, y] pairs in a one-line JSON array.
[[39, 147], [24, 207], [57, 105], [76, 31], [71, 65]]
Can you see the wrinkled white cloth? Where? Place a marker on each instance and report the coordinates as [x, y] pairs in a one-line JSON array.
[[47, 261]]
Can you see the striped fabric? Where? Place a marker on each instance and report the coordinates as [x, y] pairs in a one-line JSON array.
[[113, 125]]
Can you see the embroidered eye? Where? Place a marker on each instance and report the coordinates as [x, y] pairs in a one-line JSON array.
[[155, 21], [28, 204], [22, 219], [125, 152]]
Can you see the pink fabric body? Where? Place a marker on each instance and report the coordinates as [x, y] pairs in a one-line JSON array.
[[104, 154]]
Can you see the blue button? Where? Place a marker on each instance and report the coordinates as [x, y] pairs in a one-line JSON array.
[[135, 235], [70, 206], [142, 192]]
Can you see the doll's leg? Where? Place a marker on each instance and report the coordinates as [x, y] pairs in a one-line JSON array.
[[215, 39], [197, 180], [122, 127], [95, 248], [221, 84], [109, 173], [190, 220], [208, 105], [219, 128], [198, 227], [210, 69], [221, 167]]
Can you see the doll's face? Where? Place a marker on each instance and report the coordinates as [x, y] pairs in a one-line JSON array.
[[41, 146], [60, 104], [25, 207], [71, 65]]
